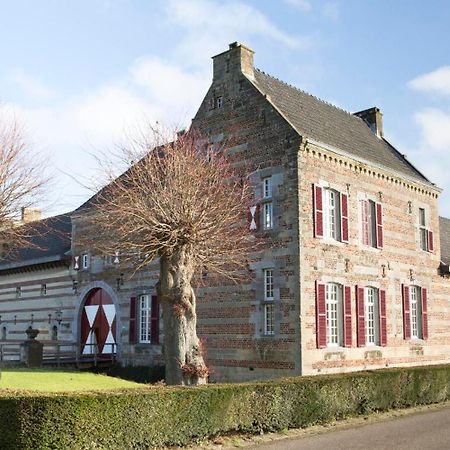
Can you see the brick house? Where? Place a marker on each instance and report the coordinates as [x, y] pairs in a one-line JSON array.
[[354, 273]]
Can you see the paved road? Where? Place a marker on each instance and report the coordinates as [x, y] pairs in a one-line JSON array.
[[423, 431]]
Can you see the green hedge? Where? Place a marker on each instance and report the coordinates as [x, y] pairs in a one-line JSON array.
[[169, 416]]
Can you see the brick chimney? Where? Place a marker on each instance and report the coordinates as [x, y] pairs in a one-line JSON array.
[[237, 59], [374, 119], [30, 214]]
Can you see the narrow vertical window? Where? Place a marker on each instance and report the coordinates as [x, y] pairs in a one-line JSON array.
[[268, 215], [144, 318], [268, 306], [267, 205], [18, 292], [423, 230], [372, 316], [85, 261], [269, 322], [333, 299], [43, 289], [415, 312], [331, 214], [268, 284]]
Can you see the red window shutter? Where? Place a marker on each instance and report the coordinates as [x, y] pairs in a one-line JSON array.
[[321, 316], [430, 241], [424, 313], [379, 223], [347, 317], [383, 321], [361, 325], [365, 222], [154, 330], [318, 211], [132, 329], [344, 217], [406, 313]]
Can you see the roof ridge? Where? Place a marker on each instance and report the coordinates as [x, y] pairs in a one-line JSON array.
[[307, 93]]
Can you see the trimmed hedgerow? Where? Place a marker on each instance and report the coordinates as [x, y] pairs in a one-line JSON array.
[[158, 416]]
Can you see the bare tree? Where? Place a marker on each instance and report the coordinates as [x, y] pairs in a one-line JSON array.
[[22, 181], [184, 204]]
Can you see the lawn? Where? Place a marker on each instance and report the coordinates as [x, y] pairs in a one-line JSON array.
[[45, 380]]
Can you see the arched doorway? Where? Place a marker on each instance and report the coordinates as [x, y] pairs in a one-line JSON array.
[[98, 324]]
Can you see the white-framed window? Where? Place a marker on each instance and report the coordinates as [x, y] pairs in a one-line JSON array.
[[333, 304], [145, 310], [219, 102], [268, 284], [268, 305], [415, 300], [267, 206], [43, 289], [423, 231], [269, 319], [267, 187], [368, 223], [85, 261], [331, 214], [268, 216], [372, 316]]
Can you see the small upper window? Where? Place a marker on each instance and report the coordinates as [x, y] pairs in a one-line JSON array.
[[18, 292], [267, 187], [43, 289], [85, 261], [219, 102], [423, 230]]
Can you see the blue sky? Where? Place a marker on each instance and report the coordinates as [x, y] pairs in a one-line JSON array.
[[81, 73]]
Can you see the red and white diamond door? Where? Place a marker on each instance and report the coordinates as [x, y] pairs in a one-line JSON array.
[[98, 324]]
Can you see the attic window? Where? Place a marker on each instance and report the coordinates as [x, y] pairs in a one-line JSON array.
[[219, 102]]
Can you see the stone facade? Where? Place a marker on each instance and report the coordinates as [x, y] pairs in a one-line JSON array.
[[254, 116]]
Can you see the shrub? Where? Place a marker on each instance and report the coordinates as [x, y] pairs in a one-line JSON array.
[[160, 416]]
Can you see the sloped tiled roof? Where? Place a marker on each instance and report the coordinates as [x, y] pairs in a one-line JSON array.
[[323, 122], [444, 231], [51, 242]]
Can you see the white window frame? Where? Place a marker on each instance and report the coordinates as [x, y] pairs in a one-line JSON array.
[[372, 315], [334, 314], [267, 215], [331, 214], [415, 308], [145, 318], [267, 206], [267, 187], [85, 261], [219, 101], [423, 231], [268, 306]]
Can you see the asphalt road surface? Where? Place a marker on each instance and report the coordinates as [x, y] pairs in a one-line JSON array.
[[422, 431]]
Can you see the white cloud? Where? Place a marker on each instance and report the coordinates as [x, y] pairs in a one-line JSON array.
[[302, 5], [437, 81], [331, 11], [435, 130], [30, 86], [210, 25]]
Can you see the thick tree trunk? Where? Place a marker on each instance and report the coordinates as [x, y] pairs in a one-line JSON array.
[[182, 348]]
